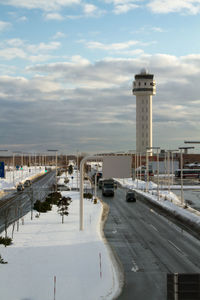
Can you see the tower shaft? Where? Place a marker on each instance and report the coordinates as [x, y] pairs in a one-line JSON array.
[[143, 89]]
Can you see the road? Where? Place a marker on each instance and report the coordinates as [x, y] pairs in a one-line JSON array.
[[17, 204], [149, 246]]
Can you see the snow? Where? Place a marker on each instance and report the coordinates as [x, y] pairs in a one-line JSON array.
[[19, 176], [44, 248]]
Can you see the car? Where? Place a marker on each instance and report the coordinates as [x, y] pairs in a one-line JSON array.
[[27, 183], [130, 196], [20, 187]]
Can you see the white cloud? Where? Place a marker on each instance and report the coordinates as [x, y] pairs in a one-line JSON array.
[[169, 6], [89, 8], [41, 4], [4, 25], [11, 53], [113, 46], [124, 8], [17, 48], [96, 97], [59, 35], [22, 19], [54, 16], [158, 29]]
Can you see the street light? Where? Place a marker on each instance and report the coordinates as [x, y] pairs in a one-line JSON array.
[[157, 148], [172, 167], [182, 196], [56, 151]]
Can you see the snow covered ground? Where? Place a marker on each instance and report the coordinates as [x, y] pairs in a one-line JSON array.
[[45, 249], [13, 178]]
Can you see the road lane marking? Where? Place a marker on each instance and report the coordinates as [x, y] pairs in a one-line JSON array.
[[177, 248], [154, 227], [135, 268]]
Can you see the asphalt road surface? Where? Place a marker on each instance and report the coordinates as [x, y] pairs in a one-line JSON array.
[[16, 204], [149, 246]]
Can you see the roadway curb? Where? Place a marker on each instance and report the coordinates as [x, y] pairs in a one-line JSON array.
[[113, 255]]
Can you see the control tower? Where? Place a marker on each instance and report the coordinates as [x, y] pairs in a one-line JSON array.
[[143, 88]]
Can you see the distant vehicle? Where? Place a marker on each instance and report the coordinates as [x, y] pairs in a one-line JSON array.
[[188, 173], [98, 174], [20, 187], [130, 196], [143, 172], [27, 183], [108, 187]]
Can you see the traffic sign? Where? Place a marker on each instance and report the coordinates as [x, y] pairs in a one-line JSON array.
[[72, 177], [2, 169]]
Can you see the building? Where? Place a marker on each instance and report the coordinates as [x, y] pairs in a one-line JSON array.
[[144, 87]]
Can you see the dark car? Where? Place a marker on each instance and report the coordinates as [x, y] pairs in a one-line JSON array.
[[20, 187], [27, 183], [131, 196]]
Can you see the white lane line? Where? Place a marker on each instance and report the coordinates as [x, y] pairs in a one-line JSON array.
[[177, 248], [154, 227], [135, 268]]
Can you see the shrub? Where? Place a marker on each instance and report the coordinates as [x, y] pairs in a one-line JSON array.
[[6, 241], [53, 198], [87, 195], [42, 206]]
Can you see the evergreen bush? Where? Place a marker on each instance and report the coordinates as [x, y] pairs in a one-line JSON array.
[[87, 195], [6, 241], [53, 198], [42, 206]]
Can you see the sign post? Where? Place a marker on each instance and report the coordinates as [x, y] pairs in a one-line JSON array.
[[2, 169]]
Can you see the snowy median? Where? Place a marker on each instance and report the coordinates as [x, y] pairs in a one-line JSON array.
[[49, 259]]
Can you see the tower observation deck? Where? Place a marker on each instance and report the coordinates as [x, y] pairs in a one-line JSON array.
[[144, 87]]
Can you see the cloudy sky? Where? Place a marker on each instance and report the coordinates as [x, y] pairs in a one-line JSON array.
[[67, 66]]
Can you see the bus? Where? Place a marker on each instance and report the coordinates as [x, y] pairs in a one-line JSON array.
[[188, 173]]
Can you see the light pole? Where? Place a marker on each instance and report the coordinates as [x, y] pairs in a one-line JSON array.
[[172, 164], [182, 195], [56, 151], [77, 170], [158, 173], [14, 152], [147, 170]]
